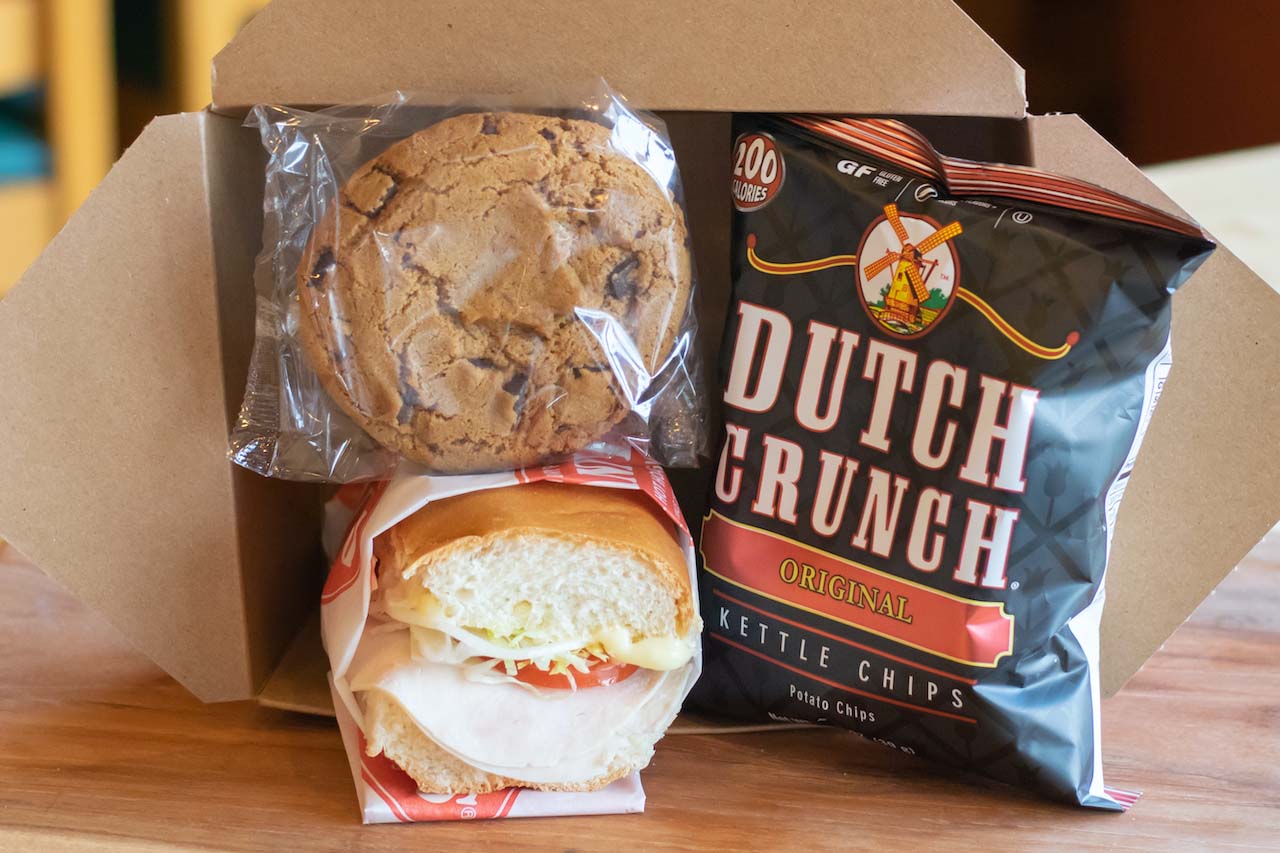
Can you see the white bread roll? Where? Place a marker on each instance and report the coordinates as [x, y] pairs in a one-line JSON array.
[[553, 564]]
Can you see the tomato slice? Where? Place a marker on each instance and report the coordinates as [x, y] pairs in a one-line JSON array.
[[599, 674]]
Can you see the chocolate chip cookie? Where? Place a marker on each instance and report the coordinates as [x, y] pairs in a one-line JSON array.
[[455, 296]]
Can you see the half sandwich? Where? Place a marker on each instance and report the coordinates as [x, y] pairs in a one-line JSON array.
[[540, 636]]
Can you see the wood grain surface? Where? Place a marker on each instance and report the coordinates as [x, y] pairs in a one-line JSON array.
[[100, 750]]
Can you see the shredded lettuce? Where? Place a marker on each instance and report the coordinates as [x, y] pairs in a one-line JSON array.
[[431, 645]]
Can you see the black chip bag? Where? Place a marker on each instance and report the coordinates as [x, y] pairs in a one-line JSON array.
[[937, 374]]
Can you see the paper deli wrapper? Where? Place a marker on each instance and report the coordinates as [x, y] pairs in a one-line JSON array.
[[358, 514]]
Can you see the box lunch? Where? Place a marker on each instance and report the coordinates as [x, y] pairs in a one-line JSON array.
[[130, 340]]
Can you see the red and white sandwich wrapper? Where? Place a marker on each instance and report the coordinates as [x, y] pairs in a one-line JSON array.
[[358, 514]]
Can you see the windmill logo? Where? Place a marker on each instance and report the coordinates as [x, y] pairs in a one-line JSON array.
[[908, 277], [907, 271]]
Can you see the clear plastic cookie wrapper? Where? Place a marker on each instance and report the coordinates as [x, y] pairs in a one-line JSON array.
[[473, 288]]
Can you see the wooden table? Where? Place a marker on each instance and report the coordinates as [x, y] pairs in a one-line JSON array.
[[99, 749]]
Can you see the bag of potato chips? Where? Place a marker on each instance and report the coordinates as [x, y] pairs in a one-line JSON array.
[[937, 374]]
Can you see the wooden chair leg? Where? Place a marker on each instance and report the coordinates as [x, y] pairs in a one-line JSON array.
[[203, 27], [81, 108]]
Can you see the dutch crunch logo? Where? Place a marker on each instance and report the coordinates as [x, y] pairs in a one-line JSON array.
[[907, 271], [907, 275]]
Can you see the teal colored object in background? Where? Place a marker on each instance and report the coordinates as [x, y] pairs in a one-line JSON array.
[[23, 154]]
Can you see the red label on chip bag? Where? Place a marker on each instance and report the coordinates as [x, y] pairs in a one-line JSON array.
[[978, 633]]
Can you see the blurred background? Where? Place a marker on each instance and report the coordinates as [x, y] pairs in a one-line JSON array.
[[79, 79], [1161, 79]]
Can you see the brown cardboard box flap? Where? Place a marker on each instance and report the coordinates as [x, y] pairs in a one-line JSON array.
[[1205, 488], [112, 415], [126, 349], [301, 681], [917, 57]]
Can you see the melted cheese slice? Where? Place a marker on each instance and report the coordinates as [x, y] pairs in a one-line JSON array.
[[660, 653], [419, 607]]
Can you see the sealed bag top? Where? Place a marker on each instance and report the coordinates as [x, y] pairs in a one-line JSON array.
[[936, 377]]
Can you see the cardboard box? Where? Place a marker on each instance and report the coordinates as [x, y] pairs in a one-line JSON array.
[[125, 346]]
